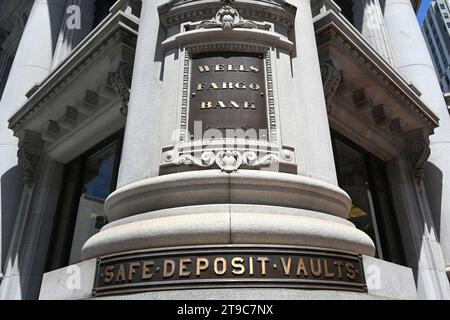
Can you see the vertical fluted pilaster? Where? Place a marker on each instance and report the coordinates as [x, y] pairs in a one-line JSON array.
[[368, 19]]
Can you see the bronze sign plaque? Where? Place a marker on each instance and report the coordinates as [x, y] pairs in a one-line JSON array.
[[228, 92], [229, 266]]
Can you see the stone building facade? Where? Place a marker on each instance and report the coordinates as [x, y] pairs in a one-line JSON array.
[[436, 30], [224, 149]]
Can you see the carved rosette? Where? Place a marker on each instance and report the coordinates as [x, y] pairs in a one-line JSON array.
[[228, 18], [121, 83], [230, 160], [419, 151], [331, 78], [29, 155]]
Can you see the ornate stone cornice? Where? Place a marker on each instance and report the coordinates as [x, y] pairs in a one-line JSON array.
[[180, 11], [119, 29], [418, 148], [228, 18], [121, 83], [333, 30], [331, 78], [29, 154]]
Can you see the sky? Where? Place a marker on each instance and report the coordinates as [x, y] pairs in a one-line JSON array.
[[423, 11]]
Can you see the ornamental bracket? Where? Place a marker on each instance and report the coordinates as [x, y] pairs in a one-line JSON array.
[[29, 155], [418, 144], [228, 18], [121, 83], [331, 78]]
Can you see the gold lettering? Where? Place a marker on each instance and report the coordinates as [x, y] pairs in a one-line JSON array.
[[109, 274], [327, 273], [263, 261], [121, 274], [239, 264], [223, 270], [254, 69], [301, 268], [220, 104], [242, 68], [235, 105], [183, 268], [204, 69], [241, 86], [201, 86], [227, 85], [213, 86], [249, 105], [206, 105], [286, 266], [316, 270], [220, 67], [146, 275], [169, 268], [254, 86], [339, 265], [351, 274], [202, 265], [132, 270], [232, 68], [250, 265]]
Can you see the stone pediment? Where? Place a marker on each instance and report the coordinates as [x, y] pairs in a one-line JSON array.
[[179, 11]]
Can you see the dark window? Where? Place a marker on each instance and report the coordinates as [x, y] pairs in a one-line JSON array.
[[102, 10], [347, 9], [88, 181], [364, 178]]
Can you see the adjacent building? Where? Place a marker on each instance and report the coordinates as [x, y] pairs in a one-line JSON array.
[[228, 149], [436, 29]]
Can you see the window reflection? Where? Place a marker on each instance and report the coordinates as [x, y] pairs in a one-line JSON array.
[[96, 187], [364, 178], [89, 180]]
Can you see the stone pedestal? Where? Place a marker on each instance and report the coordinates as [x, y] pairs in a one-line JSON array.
[[413, 62], [279, 191]]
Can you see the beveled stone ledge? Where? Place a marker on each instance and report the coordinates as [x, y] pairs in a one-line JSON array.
[[223, 228], [214, 186], [238, 35]]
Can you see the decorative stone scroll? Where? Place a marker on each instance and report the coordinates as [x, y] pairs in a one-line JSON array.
[[418, 144], [228, 157], [230, 160], [29, 155], [229, 18], [331, 78], [121, 83]]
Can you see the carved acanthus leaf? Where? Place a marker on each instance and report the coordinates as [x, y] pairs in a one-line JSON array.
[[418, 143], [331, 78], [228, 19], [121, 83], [230, 160], [29, 155]]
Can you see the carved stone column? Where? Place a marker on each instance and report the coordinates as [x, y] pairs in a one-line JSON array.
[[27, 70], [76, 24], [180, 189], [413, 62], [368, 19]]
